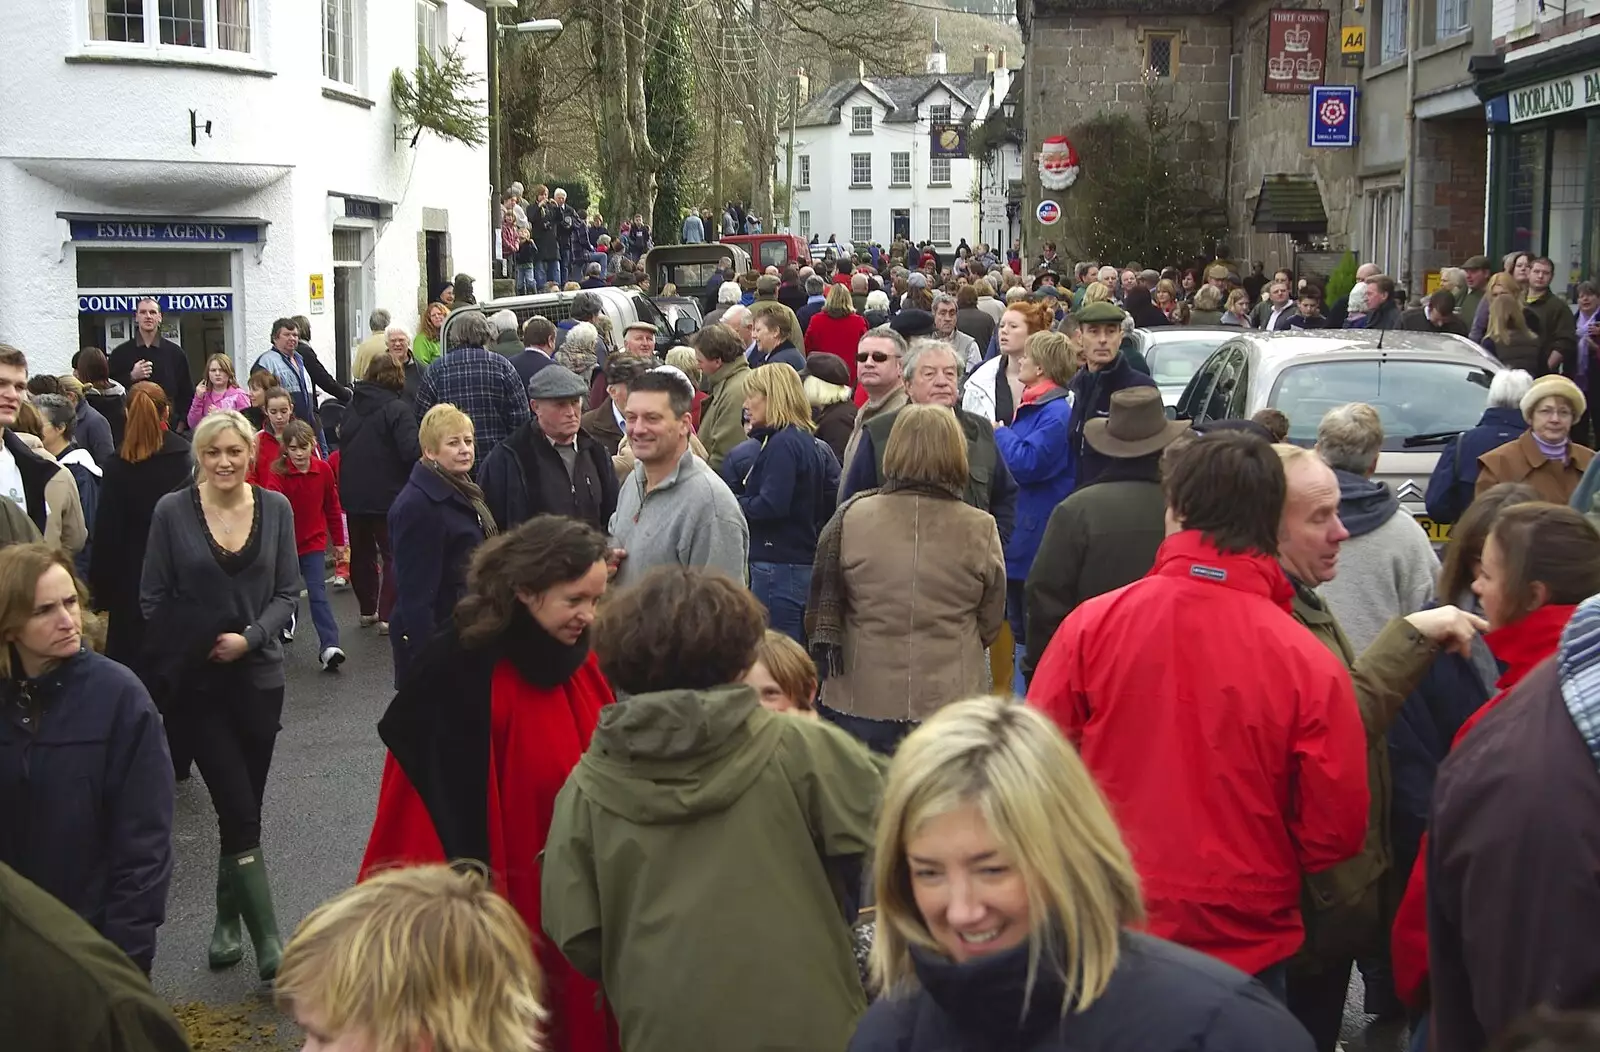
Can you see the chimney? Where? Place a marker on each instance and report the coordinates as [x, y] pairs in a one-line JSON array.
[[1000, 61], [802, 86], [983, 64], [936, 59]]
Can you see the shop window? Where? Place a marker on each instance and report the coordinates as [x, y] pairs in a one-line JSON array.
[[190, 25], [900, 168], [1391, 29], [939, 171], [939, 226], [340, 24], [1525, 192], [860, 225], [153, 271], [1161, 53], [1569, 174]]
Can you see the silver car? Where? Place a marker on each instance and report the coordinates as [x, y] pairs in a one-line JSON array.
[[1426, 386], [1174, 352]]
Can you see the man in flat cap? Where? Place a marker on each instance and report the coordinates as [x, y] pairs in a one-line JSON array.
[[549, 465], [1106, 371]]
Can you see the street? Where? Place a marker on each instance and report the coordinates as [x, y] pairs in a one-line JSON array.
[[319, 808]]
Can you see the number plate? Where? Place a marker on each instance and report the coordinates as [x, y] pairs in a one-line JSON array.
[[1438, 532]]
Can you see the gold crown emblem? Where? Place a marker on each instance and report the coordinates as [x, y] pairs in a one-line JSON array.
[[1297, 38]]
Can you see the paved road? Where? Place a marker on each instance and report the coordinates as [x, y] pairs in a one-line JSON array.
[[319, 807]]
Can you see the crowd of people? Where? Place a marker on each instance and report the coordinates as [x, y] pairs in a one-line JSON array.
[[882, 669]]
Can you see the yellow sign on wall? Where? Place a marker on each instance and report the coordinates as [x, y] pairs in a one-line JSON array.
[[1432, 282], [1353, 40], [316, 294]]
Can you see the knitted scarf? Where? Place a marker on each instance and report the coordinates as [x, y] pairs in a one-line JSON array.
[[825, 605], [470, 490]]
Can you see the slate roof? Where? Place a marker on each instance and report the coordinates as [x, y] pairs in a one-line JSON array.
[[902, 93], [1290, 204]]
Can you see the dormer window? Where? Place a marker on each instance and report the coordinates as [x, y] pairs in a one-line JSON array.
[[939, 114], [861, 120]]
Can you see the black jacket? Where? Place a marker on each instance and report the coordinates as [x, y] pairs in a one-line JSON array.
[[524, 476], [1091, 398], [378, 446], [169, 368], [109, 405], [319, 374], [792, 294], [128, 496], [1161, 998], [86, 788], [544, 221], [36, 473]]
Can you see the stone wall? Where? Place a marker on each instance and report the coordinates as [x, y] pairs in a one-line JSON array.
[[1083, 65], [1447, 218]]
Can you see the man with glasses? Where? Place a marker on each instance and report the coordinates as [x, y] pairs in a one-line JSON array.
[[878, 357]]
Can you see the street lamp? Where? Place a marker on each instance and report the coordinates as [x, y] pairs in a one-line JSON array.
[[1008, 108]]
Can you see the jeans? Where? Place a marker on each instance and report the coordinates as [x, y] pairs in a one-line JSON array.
[[782, 588], [372, 565], [546, 270], [525, 285], [313, 570], [232, 728], [1017, 617], [1419, 1035], [564, 267], [881, 736], [1276, 979]]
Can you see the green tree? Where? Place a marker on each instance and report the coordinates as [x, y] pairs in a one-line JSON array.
[[669, 85]]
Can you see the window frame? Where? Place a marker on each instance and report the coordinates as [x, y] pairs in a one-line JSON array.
[[856, 236], [151, 47], [1172, 40], [803, 172], [358, 70], [933, 175], [895, 161], [1451, 18], [803, 222], [941, 113], [1391, 30], [932, 230], [860, 184], [439, 16], [860, 120]]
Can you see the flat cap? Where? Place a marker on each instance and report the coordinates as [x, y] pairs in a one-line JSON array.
[[1477, 263], [1101, 313], [912, 323], [556, 384]]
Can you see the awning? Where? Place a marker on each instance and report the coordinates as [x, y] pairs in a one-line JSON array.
[[1290, 204]]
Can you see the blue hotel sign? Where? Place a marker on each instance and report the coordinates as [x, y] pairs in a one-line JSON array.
[[196, 232], [170, 302]]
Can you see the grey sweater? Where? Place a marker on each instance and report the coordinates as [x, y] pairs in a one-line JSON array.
[[1384, 574], [180, 565], [691, 519]]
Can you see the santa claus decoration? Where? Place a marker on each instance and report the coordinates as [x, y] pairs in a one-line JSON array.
[[1058, 163]]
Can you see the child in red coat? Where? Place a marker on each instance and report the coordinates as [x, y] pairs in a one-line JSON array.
[[278, 409], [308, 482]]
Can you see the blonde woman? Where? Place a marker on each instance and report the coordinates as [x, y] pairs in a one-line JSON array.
[[779, 492], [1236, 311], [1508, 337], [1008, 909], [219, 390], [414, 959]]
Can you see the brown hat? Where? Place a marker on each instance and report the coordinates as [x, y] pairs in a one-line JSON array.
[[1477, 263], [1137, 426]]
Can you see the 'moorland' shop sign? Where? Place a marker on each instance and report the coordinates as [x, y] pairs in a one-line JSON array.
[[1573, 92]]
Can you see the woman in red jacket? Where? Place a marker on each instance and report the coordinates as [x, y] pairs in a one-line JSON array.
[[493, 717], [313, 492], [837, 328], [1540, 561]]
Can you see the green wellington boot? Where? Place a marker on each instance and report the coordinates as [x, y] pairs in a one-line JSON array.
[[248, 873], [227, 946]]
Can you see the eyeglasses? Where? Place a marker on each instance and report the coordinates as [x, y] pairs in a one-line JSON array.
[[877, 356]]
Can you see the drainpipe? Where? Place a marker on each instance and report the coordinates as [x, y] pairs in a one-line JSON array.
[[1414, 37]]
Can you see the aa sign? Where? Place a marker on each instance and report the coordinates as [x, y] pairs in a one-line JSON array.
[[1353, 40]]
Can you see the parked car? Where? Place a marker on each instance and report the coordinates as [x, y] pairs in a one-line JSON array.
[[690, 267], [623, 306], [1425, 386], [771, 250], [1174, 352], [678, 310]]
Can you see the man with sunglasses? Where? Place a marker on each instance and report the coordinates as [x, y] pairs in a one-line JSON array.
[[878, 357]]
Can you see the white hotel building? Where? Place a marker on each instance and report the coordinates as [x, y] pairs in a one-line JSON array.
[[236, 158]]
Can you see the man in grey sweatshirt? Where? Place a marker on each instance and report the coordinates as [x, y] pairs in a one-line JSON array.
[[673, 510]]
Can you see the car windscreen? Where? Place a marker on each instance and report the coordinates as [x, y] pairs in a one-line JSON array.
[[1412, 397], [1173, 362], [773, 253]]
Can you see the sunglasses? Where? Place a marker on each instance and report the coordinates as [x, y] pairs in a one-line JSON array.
[[877, 356]]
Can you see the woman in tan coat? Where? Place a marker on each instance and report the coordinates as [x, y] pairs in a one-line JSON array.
[[908, 588], [1544, 456]]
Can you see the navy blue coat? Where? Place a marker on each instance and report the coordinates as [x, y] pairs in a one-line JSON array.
[[779, 492], [1091, 398], [1450, 488], [736, 468], [1037, 447], [86, 791], [785, 352], [1161, 998], [432, 532]]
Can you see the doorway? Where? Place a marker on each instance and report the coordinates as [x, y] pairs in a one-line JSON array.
[[352, 248], [437, 259], [900, 223]]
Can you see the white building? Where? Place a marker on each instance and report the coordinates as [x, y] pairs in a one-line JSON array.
[[867, 164], [999, 174], [236, 158]]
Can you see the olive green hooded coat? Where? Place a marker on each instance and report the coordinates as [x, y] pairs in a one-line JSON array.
[[689, 870]]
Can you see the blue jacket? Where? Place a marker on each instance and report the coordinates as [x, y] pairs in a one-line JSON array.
[[1037, 447], [86, 791], [1450, 488], [741, 458], [432, 533], [785, 352], [693, 230], [1091, 398], [779, 493]]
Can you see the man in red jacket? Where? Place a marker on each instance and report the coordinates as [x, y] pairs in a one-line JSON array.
[[1224, 735]]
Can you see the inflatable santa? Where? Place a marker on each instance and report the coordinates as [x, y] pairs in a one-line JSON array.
[[1058, 163]]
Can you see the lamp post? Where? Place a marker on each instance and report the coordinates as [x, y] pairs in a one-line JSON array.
[[491, 11]]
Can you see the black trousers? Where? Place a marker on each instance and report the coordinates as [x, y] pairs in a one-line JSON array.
[[231, 729], [1316, 997]]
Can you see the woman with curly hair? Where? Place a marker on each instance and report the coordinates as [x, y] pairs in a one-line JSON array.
[[494, 715]]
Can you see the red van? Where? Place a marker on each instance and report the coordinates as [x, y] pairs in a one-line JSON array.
[[772, 250]]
